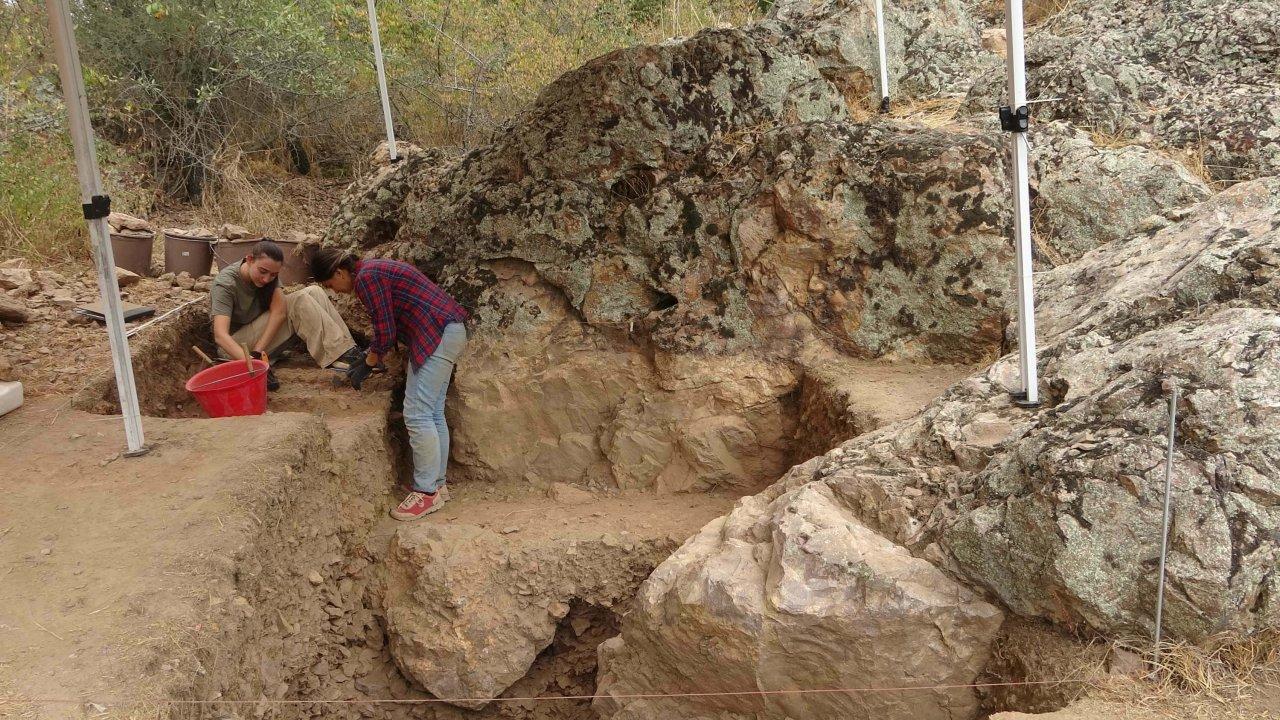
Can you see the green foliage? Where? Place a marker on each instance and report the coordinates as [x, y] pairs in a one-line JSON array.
[[40, 217], [188, 78], [194, 85]]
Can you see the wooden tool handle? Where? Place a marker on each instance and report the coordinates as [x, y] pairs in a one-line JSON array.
[[203, 357], [248, 359]]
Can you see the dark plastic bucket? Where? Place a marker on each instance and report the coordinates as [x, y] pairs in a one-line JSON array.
[[229, 389], [297, 257], [297, 262], [133, 252], [186, 253], [230, 252]]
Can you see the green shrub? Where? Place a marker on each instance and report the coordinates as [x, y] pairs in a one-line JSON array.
[[40, 217]]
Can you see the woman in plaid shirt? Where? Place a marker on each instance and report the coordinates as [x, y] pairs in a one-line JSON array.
[[406, 306]]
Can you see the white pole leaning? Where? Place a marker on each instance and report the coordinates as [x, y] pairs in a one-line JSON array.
[[884, 65], [382, 79], [96, 208], [1015, 119]]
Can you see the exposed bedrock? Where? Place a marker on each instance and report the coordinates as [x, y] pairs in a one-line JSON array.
[[1194, 74], [677, 364], [1085, 195], [468, 610], [1055, 512]]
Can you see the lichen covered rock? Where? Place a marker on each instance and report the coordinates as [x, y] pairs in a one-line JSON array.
[[932, 48], [1197, 75], [1056, 511], [1085, 194]]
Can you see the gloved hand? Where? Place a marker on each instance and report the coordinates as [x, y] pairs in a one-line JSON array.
[[273, 384], [358, 372]]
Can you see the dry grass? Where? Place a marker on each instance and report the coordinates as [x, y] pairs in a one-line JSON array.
[[1220, 668], [1034, 12], [935, 113], [1220, 679], [1192, 157], [259, 194], [1037, 11], [1111, 139]]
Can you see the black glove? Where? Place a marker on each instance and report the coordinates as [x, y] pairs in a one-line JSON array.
[[357, 373]]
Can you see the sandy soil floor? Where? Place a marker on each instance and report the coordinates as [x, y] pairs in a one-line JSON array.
[[111, 563]]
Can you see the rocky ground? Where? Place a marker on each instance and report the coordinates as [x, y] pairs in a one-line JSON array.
[[51, 348]]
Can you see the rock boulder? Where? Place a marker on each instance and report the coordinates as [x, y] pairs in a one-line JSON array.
[[467, 610], [1198, 75], [795, 593], [1085, 194]]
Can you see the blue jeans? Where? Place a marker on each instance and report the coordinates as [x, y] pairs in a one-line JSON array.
[[424, 392]]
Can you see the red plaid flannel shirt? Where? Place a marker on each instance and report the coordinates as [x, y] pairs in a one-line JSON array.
[[405, 305]]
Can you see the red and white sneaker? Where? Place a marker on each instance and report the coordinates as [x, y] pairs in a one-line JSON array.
[[417, 505], [442, 491]]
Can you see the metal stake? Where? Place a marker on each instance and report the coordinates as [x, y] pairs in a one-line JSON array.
[[382, 80], [1164, 534], [96, 207], [884, 66], [1030, 395]]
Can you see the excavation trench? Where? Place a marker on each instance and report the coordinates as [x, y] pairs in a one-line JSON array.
[[506, 593], [306, 633]]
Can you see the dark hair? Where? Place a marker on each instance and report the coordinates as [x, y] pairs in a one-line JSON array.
[[329, 260], [268, 248]]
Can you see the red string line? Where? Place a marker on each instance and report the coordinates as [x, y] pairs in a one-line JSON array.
[[551, 698]]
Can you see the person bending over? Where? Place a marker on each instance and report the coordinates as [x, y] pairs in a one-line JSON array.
[[248, 307], [405, 305]]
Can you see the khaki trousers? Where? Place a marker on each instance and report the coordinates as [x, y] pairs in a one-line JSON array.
[[309, 314]]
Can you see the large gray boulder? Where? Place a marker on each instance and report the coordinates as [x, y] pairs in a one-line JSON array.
[[1085, 194], [1198, 75], [795, 593]]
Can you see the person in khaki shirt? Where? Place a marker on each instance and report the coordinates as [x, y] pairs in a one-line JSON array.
[[248, 308]]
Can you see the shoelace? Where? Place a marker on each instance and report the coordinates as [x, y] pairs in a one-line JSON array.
[[413, 499]]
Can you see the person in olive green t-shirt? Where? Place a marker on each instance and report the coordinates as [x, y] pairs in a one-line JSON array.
[[248, 308]]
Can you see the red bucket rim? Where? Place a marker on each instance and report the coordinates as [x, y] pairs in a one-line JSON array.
[[226, 383]]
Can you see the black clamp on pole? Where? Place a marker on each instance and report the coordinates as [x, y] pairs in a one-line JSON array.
[[884, 104], [1015, 120], [98, 207], [1020, 399]]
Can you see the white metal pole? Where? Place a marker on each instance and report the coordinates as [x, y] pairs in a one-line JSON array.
[[382, 79], [1021, 205], [1164, 533], [96, 206], [884, 65]]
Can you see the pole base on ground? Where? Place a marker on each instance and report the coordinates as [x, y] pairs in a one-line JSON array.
[[1020, 399], [884, 104], [139, 452]]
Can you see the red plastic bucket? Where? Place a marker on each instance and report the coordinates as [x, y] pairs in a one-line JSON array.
[[228, 389]]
